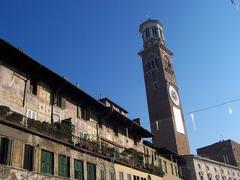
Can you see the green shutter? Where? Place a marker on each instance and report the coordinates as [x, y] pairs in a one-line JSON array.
[[78, 111], [47, 164], [43, 162], [63, 102], [26, 163], [63, 166], [78, 170], [91, 172], [5, 151]]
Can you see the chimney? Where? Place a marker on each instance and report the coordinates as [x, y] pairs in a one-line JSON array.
[[138, 121]]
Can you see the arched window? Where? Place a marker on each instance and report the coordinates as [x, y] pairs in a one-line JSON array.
[[102, 172], [112, 174]]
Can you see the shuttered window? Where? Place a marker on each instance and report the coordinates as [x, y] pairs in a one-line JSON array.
[[91, 171], [60, 101], [47, 162], [63, 166], [112, 174], [78, 170], [28, 157], [102, 172], [5, 150], [78, 111], [121, 176]]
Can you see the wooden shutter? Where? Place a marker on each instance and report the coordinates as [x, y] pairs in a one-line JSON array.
[[78, 170], [91, 171], [63, 166], [28, 157], [47, 164], [63, 103], [43, 161], [78, 111], [5, 151]]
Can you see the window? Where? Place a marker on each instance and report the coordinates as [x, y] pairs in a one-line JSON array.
[[165, 166], [84, 113], [61, 102], [115, 129], [156, 62], [102, 172], [208, 168], [172, 169], [78, 111], [47, 162], [134, 177], [78, 170], [155, 86], [153, 65], [154, 30], [121, 176], [28, 157], [112, 174], [155, 155], [33, 86], [135, 140], [31, 114], [5, 150], [129, 177], [147, 33], [91, 171], [63, 166], [209, 175], [176, 170]]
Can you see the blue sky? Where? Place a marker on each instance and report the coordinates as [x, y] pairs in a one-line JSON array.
[[95, 43]]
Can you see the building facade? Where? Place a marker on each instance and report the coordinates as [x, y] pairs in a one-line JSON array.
[[199, 168], [51, 129], [164, 105], [226, 151]]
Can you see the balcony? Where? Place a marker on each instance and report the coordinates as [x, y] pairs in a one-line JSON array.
[[128, 157]]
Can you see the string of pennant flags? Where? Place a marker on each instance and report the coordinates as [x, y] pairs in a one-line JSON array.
[[192, 113], [235, 5], [228, 103]]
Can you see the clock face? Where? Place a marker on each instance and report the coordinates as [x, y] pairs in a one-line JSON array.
[[174, 95]]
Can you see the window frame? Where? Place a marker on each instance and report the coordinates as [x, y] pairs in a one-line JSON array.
[[63, 166], [49, 163], [29, 165], [80, 170], [6, 152]]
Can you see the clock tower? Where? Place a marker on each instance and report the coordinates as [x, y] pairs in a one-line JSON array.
[[164, 105]]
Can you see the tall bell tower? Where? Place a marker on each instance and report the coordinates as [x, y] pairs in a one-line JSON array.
[[164, 105]]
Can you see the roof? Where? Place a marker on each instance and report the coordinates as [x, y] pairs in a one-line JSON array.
[[147, 22], [164, 152], [217, 144], [19, 60], [192, 156], [107, 99]]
